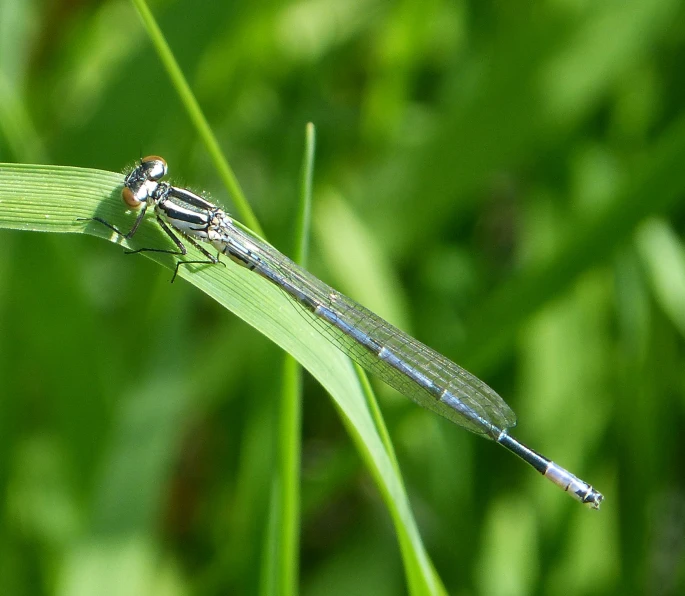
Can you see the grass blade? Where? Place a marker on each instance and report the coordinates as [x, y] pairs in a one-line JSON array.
[[52, 198]]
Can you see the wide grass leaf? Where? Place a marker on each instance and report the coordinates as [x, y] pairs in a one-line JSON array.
[[53, 198]]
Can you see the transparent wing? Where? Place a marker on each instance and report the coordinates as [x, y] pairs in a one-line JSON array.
[[464, 389]]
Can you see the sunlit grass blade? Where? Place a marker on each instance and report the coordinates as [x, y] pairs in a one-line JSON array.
[[52, 198]]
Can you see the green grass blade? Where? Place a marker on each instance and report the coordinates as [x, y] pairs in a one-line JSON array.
[[287, 484], [52, 198], [303, 223], [196, 116], [290, 419]]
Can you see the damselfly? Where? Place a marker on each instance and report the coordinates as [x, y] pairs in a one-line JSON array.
[[409, 366]]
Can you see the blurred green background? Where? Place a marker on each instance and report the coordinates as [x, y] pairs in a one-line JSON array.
[[503, 180]]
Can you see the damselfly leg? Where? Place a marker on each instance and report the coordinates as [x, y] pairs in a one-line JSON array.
[[127, 235], [182, 250], [142, 189]]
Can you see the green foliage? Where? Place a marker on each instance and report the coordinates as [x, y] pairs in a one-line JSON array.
[[503, 180]]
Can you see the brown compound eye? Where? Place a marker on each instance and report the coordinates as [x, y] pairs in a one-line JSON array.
[[130, 198], [155, 167]]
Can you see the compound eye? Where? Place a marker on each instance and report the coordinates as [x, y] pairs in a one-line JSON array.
[[130, 198], [155, 167]]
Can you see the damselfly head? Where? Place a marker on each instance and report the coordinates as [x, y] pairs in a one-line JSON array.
[[141, 182]]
